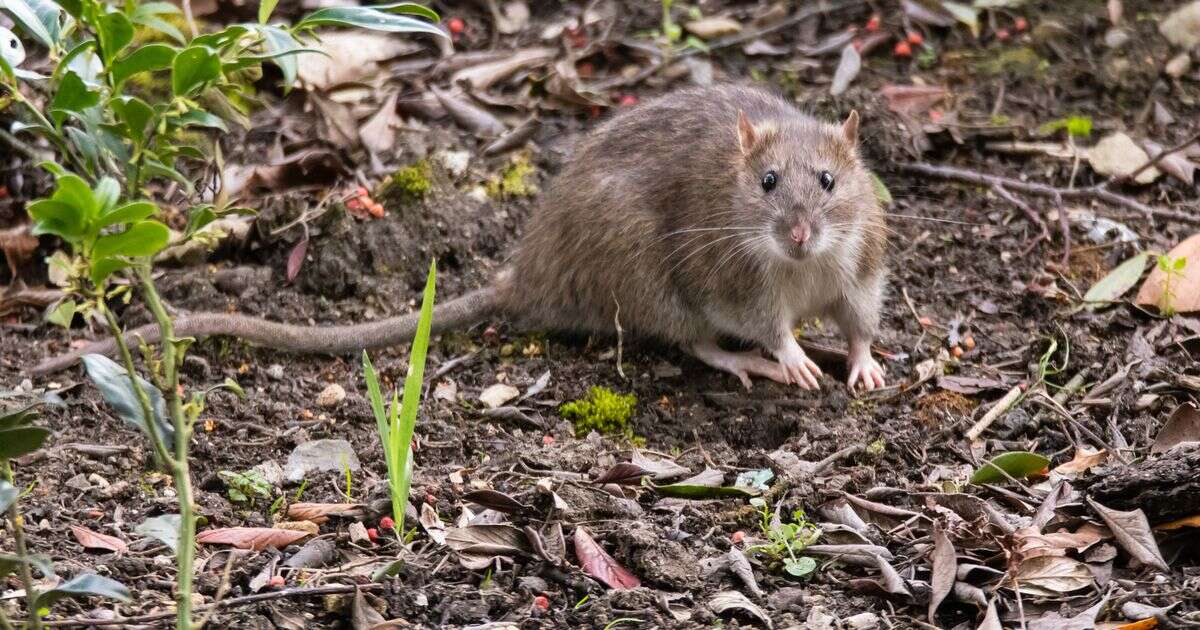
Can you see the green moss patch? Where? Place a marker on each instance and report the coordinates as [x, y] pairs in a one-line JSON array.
[[410, 183], [603, 411], [516, 180]]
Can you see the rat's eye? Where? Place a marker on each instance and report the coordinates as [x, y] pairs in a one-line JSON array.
[[826, 179], [769, 180], [12, 43]]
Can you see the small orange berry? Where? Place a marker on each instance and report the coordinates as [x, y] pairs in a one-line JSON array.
[[902, 49], [456, 25], [874, 23], [916, 38], [737, 537], [1020, 24], [542, 603], [969, 342], [956, 351], [1003, 35]]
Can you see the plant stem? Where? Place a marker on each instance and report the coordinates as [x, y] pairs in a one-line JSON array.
[[186, 552], [160, 448], [18, 534], [5, 624]]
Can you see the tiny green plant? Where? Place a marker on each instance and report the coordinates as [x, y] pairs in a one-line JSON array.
[[1172, 269], [786, 540], [20, 436], [397, 423], [349, 474], [117, 143], [245, 487]]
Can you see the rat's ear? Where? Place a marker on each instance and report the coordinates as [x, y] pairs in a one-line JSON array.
[[850, 127], [746, 134]]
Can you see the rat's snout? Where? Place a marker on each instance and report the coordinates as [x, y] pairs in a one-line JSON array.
[[800, 233]]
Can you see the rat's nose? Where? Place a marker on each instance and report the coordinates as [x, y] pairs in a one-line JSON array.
[[801, 232]]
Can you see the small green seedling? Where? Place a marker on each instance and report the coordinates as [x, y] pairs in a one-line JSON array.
[[396, 425], [786, 540], [1172, 269], [245, 487]]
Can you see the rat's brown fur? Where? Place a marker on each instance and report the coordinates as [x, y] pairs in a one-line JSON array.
[[661, 213]]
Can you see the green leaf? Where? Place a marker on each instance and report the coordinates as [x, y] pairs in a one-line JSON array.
[[135, 114], [104, 267], [163, 528], [401, 428], [86, 585], [156, 23], [800, 567], [410, 8], [113, 382], [128, 213], [1111, 287], [8, 495], [107, 191], [368, 18], [62, 314], [222, 38], [10, 562], [58, 218], [18, 417], [193, 68], [145, 238], [20, 441], [201, 118], [695, 491], [115, 32], [148, 58], [154, 168], [65, 62], [73, 97], [1018, 465], [86, 143], [50, 15], [73, 190], [282, 48], [27, 18], [265, 8], [6, 72]]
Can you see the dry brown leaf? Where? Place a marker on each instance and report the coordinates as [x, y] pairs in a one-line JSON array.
[[597, 563], [1174, 164], [308, 527], [991, 619], [1141, 624], [1181, 428], [713, 27], [1184, 284], [378, 134], [468, 115], [1132, 531], [350, 56], [320, 512], [94, 540], [1085, 458], [913, 99], [1051, 576], [432, 524], [848, 68], [257, 538], [1029, 543], [945, 568], [1187, 521], [485, 75], [1117, 155]]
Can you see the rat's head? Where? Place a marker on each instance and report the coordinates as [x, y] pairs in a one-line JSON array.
[[804, 184]]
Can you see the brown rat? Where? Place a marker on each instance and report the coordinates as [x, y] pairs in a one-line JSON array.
[[709, 212]]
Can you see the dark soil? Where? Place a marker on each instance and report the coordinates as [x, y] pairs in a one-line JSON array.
[[972, 276]]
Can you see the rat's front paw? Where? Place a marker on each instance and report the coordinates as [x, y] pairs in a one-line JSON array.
[[865, 371], [797, 368]]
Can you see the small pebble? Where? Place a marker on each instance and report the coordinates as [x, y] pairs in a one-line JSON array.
[[1178, 65], [331, 396], [275, 372]]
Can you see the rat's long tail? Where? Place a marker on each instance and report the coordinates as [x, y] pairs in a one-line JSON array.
[[458, 313]]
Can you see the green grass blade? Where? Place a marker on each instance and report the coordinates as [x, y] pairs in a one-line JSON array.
[[376, 397], [412, 395]]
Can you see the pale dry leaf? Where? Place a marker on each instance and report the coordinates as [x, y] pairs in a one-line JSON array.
[[1183, 427], [498, 394], [596, 562], [991, 619], [713, 27], [740, 566], [1180, 290], [1051, 576], [1182, 26], [1085, 620], [913, 99], [432, 524], [1117, 155], [468, 115], [659, 469], [1085, 458], [487, 540], [892, 582], [485, 75], [257, 538], [1133, 533], [1174, 164], [726, 601], [308, 527], [350, 56], [95, 540], [945, 567], [320, 512], [848, 68], [378, 134]]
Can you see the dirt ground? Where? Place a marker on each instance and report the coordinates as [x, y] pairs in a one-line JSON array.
[[965, 264]]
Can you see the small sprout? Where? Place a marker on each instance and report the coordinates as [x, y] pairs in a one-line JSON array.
[[877, 447], [603, 411]]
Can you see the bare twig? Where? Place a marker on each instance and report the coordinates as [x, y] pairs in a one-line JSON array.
[[1030, 213], [996, 411], [19, 145], [1044, 190]]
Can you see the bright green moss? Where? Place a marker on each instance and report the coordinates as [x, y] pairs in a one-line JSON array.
[[515, 181], [603, 411], [411, 183]]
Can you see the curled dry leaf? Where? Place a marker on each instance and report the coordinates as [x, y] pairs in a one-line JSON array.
[[1178, 291], [256, 538], [488, 540], [515, 138], [468, 115], [485, 75], [498, 394], [945, 568], [1085, 458], [727, 601], [1029, 543], [351, 56], [1117, 155], [1051, 576], [913, 99], [1132, 531], [597, 563], [738, 565], [432, 524], [848, 68], [320, 512], [623, 472], [890, 579], [1174, 164], [296, 259], [378, 134], [713, 27], [496, 500], [1183, 427], [658, 469], [94, 540]]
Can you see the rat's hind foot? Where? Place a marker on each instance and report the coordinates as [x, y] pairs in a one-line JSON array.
[[740, 364], [865, 371], [797, 368]]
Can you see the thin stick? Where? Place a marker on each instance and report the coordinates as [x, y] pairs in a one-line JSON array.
[[995, 412], [1044, 190], [1030, 213], [190, 18], [333, 589]]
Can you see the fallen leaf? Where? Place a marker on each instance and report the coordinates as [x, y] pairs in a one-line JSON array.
[[485, 75], [623, 472], [1029, 543], [1085, 620], [1174, 164], [713, 27], [295, 259], [705, 485], [164, 528], [726, 601], [1183, 427], [1117, 155], [1132, 531], [927, 12], [1085, 458], [350, 56], [739, 565], [892, 582], [945, 567], [1120, 280], [468, 115], [493, 540], [991, 619], [1187, 521], [498, 394], [658, 469], [496, 501], [597, 563], [378, 134], [1184, 284], [363, 616], [321, 455], [320, 512], [913, 99], [1182, 26], [257, 538], [848, 68], [1051, 576], [432, 524], [94, 540], [1018, 465]]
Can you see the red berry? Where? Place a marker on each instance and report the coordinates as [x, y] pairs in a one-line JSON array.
[[935, 115], [1003, 34], [276, 581], [387, 523], [1020, 24], [737, 537], [902, 49], [456, 25], [373, 534], [547, 440], [916, 38], [541, 602], [627, 100], [873, 23]]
